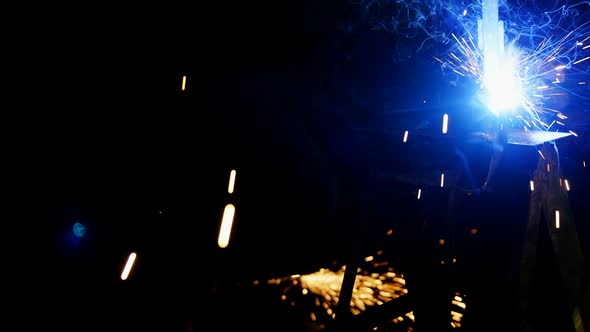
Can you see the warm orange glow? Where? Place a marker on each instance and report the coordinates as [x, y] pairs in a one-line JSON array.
[[226, 225], [183, 83], [474, 231], [369, 290], [548, 168], [441, 242], [459, 304], [369, 258], [128, 266], [457, 314], [232, 181]]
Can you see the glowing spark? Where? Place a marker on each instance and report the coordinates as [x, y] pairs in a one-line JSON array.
[[581, 60], [232, 181], [419, 193], [405, 136], [567, 185], [557, 219], [128, 266], [226, 225], [183, 83], [459, 304], [369, 290], [445, 123], [532, 185]]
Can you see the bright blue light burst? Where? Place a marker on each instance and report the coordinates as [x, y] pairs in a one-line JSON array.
[[542, 61], [502, 88]]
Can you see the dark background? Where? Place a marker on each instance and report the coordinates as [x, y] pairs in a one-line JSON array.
[[309, 107]]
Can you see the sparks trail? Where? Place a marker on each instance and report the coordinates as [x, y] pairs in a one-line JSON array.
[[531, 78]]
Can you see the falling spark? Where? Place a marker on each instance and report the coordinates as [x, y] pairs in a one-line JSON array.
[[532, 185], [459, 304], [419, 193], [183, 83], [128, 266], [405, 136], [557, 219], [232, 181], [442, 180], [445, 123], [584, 163], [567, 185], [226, 225], [581, 60]]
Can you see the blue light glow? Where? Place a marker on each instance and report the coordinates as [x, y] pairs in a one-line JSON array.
[[79, 229], [502, 88], [522, 64]]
